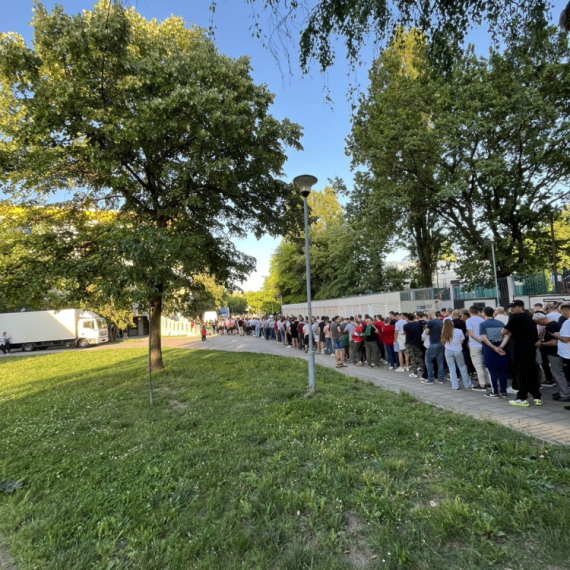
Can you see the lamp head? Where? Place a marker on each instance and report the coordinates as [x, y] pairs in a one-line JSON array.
[[304, 183]]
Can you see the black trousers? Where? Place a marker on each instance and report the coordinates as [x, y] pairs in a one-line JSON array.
[[526, 373]]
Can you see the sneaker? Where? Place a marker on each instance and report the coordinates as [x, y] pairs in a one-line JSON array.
[[440, 381], [373, 366], [359, 364], [488, 386], [400, 369], [548, 385], [407, 368], [428, 382], [413, 375], [538, 402], [491, 395], [391, 368], [479, 389], [521, 403], [456, 388], [511, 390], [503, 394]]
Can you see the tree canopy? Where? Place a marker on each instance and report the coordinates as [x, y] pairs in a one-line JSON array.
[[148, 119], [480, 153]]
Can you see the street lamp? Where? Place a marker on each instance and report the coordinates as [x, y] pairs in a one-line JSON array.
[[487, 242], [305, 182]]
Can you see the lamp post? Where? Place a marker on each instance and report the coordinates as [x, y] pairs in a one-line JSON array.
[[487, 241], [305, 182]]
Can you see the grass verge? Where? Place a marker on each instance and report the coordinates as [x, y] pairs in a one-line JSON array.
[[235, 468]]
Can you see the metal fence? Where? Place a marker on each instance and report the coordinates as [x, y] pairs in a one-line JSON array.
[[542, 283], [463, 293]]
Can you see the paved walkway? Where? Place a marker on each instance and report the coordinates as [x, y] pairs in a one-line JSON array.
[[550, 422]]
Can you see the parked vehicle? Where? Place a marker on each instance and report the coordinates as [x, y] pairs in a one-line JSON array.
[[44, 329]]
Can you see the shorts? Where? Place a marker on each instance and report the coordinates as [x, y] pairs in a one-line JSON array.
[[401, 343], [338, 344]]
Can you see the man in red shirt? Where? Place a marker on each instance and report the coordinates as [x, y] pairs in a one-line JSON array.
[[388, 336]]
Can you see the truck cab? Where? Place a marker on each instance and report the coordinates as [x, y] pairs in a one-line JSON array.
[[91, 329]]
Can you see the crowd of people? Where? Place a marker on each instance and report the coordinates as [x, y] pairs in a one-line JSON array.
[[485, 348]]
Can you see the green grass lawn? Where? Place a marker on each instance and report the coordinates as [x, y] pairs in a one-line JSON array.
[[235, 468]]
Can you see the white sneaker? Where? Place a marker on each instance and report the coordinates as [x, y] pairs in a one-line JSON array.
[[400, 369], [407, 368], [511, 391], [413, 375], [391, 368]]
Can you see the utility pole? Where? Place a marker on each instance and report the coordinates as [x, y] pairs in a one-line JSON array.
[[554, 262]]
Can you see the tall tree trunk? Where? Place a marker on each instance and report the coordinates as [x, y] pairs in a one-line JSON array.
[[155, 341]]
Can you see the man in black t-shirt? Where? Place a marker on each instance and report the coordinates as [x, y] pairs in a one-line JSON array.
[[523, 336], [549, 347], [413, 331]]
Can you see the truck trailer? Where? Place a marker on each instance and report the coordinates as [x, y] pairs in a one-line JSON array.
[[44, 329]]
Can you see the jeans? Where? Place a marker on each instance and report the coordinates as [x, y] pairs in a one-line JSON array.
[[390, 354], [499, 374], [557, 367], [454, 358], [435, 351], [328, 346]]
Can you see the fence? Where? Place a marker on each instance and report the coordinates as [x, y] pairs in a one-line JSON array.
[[463, 293], [542, 283]]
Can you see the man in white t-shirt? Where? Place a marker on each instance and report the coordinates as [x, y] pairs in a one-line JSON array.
[[400, 340], [563, 338], [501, 315], [552, 311], [475, 349]]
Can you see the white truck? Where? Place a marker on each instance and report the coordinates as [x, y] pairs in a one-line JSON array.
[[44, 329]]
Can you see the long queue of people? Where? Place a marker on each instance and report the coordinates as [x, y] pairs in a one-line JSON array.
[[485, 348]]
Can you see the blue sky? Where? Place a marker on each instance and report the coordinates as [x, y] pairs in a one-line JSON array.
[[299, 98]]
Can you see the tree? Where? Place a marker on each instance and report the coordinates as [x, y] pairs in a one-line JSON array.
[[391, 137], [236, 302], [54, 257], [148, 119], [445, 22], [483, 151]]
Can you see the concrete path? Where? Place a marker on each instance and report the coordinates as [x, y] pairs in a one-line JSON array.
[[550, 422]]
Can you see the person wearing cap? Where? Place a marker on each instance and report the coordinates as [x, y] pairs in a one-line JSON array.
[[524, 335], [563, 338]]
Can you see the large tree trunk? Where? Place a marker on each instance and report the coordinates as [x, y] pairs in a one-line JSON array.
[[155, 346]]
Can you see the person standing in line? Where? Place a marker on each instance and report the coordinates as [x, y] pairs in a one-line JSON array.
[[523, 334], [563, 338], [349, 330], [322, 323], [494, 355], [370, 343], [413, 332], [435, 351], [553, 311], [301, 333], [203, 332], [476, 348], [358, 355], [500, 315], [400, 341], [549, 345], [452, 339], [379, 324], [294, 332], [336, 336], [388, 336], [328, 338]]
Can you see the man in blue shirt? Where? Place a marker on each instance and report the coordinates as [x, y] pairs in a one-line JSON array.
[[435, 350]]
